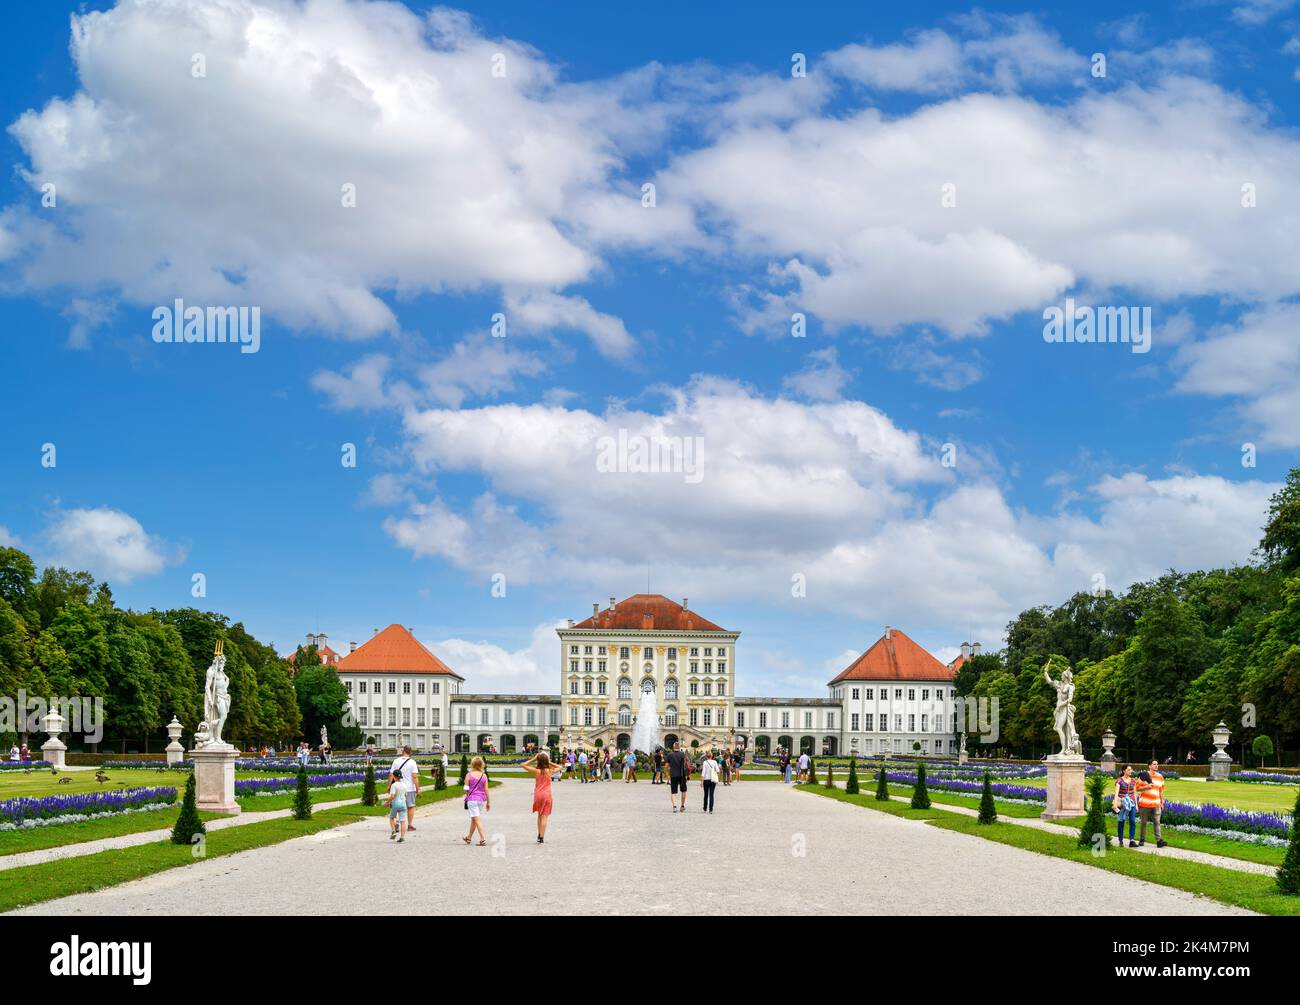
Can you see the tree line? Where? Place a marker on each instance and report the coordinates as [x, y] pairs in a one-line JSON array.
[[62, 635], [1162, 663]]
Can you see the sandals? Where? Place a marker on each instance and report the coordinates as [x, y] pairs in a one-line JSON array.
[[466, 840], [482, 844]]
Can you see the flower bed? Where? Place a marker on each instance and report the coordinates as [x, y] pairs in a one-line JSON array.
[[276, 786], [30, 811], [1212, 817], [1264, 778], [24, 765]]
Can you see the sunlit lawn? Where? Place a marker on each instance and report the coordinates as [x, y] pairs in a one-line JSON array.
[[1230, 795]]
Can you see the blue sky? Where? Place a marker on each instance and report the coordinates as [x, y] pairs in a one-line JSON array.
[[521, 194]]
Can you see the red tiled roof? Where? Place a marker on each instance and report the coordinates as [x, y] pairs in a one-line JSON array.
[[958, 663], [895, 657], [394, 650], [650, 612]]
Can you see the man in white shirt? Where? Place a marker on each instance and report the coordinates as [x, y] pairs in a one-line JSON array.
[[404, 765], [803, 766]]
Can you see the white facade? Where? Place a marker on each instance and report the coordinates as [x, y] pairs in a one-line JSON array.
[[397, 708], [895, 716], [505, 722]]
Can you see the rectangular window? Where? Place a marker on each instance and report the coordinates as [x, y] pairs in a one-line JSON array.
[[695, 650], [586, 666], [722, 717], [586, 687], [361, 717], [722, 688], [925, 723], [785, 720], [586, 650], [573, 687], [435, 717], [898, 723], [911, 723], [830, 720], [855, 693], [693, 717], [573, 650], [624, 652], [419, 717], [420, 688], [376, 687], [436, 688], [762, 720], [853, 722], [600, 717], [871, 694], [553, 717], [869, 722], [392, 687], [483, 717], [586, 716], [708, 717], [708, 689], [406, 687], [361, 687], [807, 720], [740, 720], [573, 666], [406, 717], [530, 717], [600, 666], [672, 652], [460, 716], [925, 694], [573, 715], [508, 717], [722, 668], [347, 686], [392, 717]]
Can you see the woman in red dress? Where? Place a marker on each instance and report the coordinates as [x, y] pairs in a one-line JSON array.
[[539, 766]]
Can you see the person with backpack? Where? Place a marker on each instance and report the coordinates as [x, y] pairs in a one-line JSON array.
[[405, 767], [395, 800]]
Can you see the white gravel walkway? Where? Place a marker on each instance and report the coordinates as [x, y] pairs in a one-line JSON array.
[[617, 849]]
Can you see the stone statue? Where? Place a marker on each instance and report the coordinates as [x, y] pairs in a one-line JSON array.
[[963, 743], [216, 698], [324, 737], [1064, 716]]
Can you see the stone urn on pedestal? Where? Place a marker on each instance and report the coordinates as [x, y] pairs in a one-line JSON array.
[[1108, 751], [1220, 760], [175, 750], [54, 749]]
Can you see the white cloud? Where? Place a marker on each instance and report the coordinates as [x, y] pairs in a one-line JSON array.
[[494, 669], [834, 491], [822, 379], [8, 540], [229, 187], [107, 542], [1257, 362]]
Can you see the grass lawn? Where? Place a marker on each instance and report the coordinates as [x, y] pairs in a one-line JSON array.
[[1229, 795], [47, 881], [1240, 889], [90, 829], [41, 783]]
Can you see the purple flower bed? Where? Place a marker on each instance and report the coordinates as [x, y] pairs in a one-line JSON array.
[[1217, 818], [1265, 778], [252, 786], [23, 765], [1028, 793], [16, 811]]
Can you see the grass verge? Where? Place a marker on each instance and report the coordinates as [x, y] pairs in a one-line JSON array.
[[34, 884], [1239, 889]]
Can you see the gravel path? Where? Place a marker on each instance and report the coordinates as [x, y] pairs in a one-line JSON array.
[[617, 849]]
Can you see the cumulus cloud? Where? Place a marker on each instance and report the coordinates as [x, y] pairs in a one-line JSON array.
[[834, 491], [230, 186], [822, 379], [494, 669], [107, 542]]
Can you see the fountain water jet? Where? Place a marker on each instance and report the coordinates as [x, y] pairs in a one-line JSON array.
[[645, 734]]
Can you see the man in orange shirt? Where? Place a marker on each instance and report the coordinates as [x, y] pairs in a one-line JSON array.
[[1151, 800]]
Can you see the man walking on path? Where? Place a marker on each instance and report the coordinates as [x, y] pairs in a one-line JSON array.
[[582, 765], [404, 766], [677, 776], [629, 766], [803, 767], [1151, 800]]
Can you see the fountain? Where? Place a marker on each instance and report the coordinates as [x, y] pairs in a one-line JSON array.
[[645, 734]]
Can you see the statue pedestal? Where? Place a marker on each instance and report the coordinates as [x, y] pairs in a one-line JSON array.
[[1107, 762], [1220, 766], [214, 777], [962, 757], [54, 750], [1064, 786], [175, 753]]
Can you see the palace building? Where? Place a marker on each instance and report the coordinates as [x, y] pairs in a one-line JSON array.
[[649, 652]]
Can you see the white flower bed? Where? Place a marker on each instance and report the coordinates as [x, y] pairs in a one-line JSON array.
[[1264, 839], [76, 818]]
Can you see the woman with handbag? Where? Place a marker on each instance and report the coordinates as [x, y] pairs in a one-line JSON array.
[[1125, 804], [477, 800]]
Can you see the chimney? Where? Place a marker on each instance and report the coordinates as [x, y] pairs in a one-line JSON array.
[[321, 640], [975, 649], [686, 603], [887, 631], [352, 647], [965, 650], [311, 639], [570, 622], [612, 602], [595, 611]]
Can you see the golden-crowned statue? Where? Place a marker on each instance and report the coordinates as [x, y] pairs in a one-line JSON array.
[[216, 697]]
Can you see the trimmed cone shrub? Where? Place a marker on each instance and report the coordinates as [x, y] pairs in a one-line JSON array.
[[302, 798], [920, 794], [464, 770], [440, 779], [812, 772], [851, 786], [369, 797], [988, 811], [188, 823], [1095, 822], [1288, 874], [882, 785], [830, 775]]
